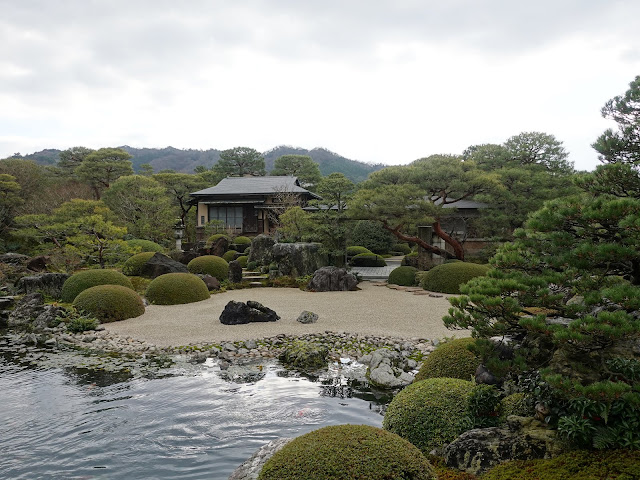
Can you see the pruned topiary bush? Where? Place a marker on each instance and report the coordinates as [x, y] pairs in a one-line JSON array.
[[80, 281], [576, 465], [176, 289], [133, 265], [403, 276], [452, 359], [240, 243], [448, 277], [403, 248], [430, 413], [354, 250], [347, 452], [230, 255], [371, 235], [110, 303], [516, 404], [145, 245], [368, 260], [214, 238], [242, 260], [210, 265]]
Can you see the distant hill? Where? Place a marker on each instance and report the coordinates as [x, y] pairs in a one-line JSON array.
[[186, 161]]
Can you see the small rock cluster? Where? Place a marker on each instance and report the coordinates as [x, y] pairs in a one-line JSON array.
[[390, 368]]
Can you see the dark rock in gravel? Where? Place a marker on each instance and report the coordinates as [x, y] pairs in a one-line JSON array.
[[160, 264], [332, 279], [239, 313], [307, 317], [211, 282]]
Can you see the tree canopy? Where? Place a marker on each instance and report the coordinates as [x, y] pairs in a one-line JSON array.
[[240, 161], [102, 167], [301, 166]]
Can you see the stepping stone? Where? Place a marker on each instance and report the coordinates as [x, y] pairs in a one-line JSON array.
[[424, 292]]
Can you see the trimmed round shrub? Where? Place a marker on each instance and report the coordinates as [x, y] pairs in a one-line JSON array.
[[176, 289], [80, 281], [214, 238], [410, 260], [210, 265], [241, 243], [145, 245], [516, 404], [430, 413], [368, 260], [452, 359], [576, 465], [230, 255], [354, 250], [133, 265], [448, 277], [252, 266], [247, 251], [404, 248], [371, 235], [403, 276], [347, 452], [242, 260], [110, 303]]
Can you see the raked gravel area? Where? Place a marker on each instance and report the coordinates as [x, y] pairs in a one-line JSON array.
[[372, 310]]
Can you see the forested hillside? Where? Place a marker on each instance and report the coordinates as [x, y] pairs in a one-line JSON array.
[[185, 161]]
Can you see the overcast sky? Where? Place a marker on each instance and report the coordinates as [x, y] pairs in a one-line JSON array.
[[377, 81]]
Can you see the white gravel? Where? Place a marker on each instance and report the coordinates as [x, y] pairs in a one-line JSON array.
[[373, 310]]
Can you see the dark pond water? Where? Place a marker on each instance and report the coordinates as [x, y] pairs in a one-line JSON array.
[[72, 423]]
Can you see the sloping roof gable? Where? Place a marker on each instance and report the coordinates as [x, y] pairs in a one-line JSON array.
[[255, 186]]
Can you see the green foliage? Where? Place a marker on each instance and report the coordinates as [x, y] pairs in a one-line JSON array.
[[452, 359], [368, 260], [443, 472], [484, 405], [143, 205], [81, 281], [403, 276], [410, 260], [430, 413], [145, 245], [9, 200], [403, 248], [448, 277], [541, 149], [179, 186], [176, 289], [77, 321], [230, 255], [345, 452], [102, 167], [215, 237], [133, 265], [242, 260], [516, 404], [240, 244], [372, 236], [296, 224], [301, 166], [110, 303], [210, 265], [240, 161], [576, 465], [241, 240], [354, 250], [252, 266]]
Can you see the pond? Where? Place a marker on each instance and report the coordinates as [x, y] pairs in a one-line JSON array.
[[62, 420]]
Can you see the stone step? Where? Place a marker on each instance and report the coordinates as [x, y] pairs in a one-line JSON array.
[[255, 277], [255, 284]]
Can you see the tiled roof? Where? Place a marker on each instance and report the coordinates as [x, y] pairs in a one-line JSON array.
[[254, 186], [461, 204]]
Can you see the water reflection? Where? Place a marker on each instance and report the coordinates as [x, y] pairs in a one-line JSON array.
[[69, 415]]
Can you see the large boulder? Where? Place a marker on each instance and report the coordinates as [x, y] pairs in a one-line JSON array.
[[261, 250], [31, 310], [15, 259], [239, 313], [47, 283], [298, 259], [387, 369], [160, 264], [250, 469], [219, 247], [332, 279], [305, 356], [523, 438], [39, 263]]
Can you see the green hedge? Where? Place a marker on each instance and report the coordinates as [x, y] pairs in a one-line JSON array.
[[90, 278], [448, 277], [145, 245], [516, 404], [354, 250], [230, 255], [210, 265], [368, 260], [403, 248], [576, 465], [133, 265], [452, 359], [110, 303], [430, 413], [242, 260], [403, 276], [347, 452], [176, 289], [241, 243], [371, 235], [213, 238]]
